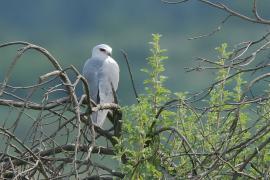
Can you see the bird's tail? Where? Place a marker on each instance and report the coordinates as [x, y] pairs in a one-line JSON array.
[[98, 118]]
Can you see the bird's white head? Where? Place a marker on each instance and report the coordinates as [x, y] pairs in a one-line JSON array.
[[102, 51]]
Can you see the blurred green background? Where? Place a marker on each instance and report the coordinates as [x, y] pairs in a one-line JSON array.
[[69, 29]]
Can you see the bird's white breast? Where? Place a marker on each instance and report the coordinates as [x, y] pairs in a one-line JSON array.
[[111, 69]]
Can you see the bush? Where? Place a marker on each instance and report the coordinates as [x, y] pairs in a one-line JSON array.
[[222, 133]]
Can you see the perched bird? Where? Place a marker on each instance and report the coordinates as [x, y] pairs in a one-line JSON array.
[[102, 74]]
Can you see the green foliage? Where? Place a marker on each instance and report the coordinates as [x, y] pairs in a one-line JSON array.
[[155, 90], [163, 128], [140, 120]]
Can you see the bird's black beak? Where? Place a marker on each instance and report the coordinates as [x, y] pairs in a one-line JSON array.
[[109, 54]]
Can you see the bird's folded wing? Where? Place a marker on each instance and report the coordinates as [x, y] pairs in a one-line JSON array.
[[91, 73]]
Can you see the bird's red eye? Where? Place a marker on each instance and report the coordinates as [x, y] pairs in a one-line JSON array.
[[101, 49]]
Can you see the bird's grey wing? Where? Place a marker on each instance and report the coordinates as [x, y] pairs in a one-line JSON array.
[[90, 72], [108, 77]]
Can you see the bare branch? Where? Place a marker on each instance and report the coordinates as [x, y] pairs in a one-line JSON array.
[[130, 74]]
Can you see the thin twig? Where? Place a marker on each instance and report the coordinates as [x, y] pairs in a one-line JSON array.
[[130, 74]]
